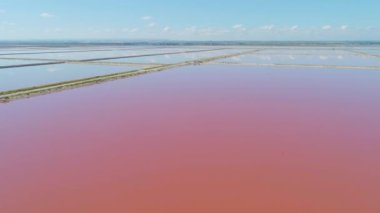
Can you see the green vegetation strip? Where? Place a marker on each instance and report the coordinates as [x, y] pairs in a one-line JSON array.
[[11, 95]]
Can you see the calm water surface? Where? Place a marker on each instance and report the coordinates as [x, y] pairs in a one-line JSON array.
[[22, 77], [197, 139]]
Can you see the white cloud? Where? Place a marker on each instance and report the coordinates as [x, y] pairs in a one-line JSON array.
[[152, 24], [268, 27], [344, 27], [205, 33], [146, 18], [239, 27], [294, 28], [130, 30], [53, 30], [46, 15], [2, 11], [191, 29], [327, 27], [166, 29]]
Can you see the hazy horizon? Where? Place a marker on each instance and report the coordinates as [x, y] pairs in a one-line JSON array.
[[196, 20]]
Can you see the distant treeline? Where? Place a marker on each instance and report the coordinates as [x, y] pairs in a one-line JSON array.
[[184, 43]]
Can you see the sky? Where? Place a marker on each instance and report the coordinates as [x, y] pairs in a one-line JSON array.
[[190, 20]]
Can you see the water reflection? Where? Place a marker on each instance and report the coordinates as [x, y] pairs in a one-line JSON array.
[[17, 78], [338, 60]]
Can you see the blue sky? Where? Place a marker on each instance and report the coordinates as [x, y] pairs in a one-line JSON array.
[[190, 20]]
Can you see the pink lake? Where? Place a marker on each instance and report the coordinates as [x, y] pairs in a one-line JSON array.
[[197, 139]]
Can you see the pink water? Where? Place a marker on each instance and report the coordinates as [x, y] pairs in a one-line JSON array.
[[198, 139]]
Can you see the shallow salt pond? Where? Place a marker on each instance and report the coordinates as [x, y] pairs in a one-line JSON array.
[[314, 59], [22, 77], [176, 58], [97, 54], [197, 139], [5, 62]]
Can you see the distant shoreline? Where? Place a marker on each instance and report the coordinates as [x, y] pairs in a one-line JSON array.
[[63, 43]]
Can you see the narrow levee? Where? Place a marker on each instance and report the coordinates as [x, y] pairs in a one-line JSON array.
[[11, 95]]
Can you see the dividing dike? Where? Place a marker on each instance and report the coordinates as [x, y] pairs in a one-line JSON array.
[[12, 95]]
